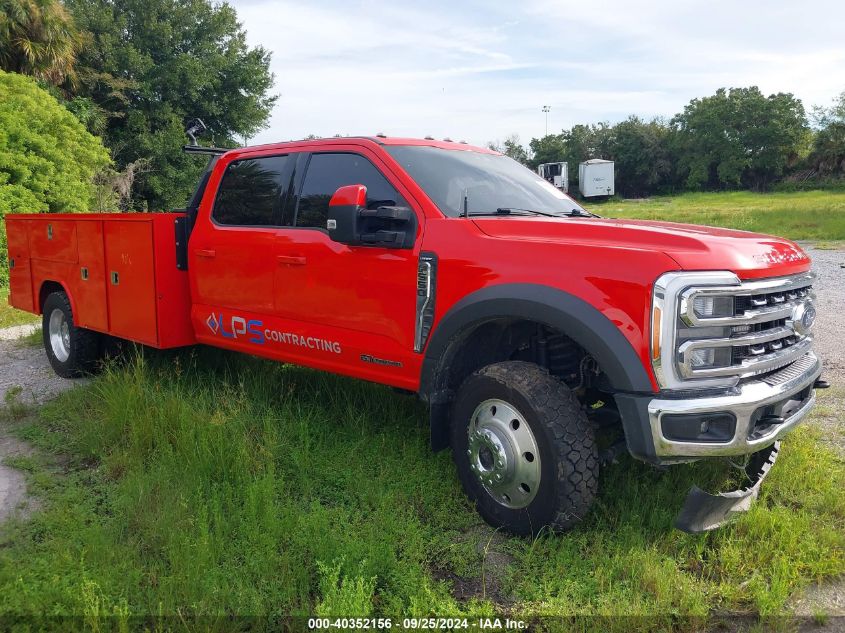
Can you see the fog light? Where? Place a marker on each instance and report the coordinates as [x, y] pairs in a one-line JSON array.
[[708, 307], [699, 427]]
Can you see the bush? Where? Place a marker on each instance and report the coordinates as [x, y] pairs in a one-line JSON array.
[[47, 157]]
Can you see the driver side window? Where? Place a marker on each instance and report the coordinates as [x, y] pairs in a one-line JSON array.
[[328, 172]]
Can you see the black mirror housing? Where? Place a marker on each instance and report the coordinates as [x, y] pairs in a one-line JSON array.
[[344, 210], [350, 222]]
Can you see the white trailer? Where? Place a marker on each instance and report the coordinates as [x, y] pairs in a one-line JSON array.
[[596, 178], [555, 173]]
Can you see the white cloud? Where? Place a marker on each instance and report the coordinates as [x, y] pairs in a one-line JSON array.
[[482, 70]]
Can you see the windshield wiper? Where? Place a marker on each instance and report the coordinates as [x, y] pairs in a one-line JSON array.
[[508, 210], [515, 210]]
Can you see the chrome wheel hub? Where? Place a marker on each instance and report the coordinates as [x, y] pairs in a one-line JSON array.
[[503, 453], [59, 332]]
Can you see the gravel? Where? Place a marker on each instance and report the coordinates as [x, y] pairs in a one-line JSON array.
[[829, 266], [26, 366]]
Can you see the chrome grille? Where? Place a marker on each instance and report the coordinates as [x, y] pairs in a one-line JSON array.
[[759, 334], [743, 303]]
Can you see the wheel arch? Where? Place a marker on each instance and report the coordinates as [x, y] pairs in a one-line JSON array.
[[49, 286], [570, 315]]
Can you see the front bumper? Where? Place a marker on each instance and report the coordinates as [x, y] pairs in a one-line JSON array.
[[786, 385], [785, 396]]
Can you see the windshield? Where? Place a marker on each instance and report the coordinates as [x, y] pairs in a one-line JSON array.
[[489, 182]]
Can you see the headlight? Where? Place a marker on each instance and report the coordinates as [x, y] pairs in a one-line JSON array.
[[703, 357], [708, 357], [682, 340], [706, 306]]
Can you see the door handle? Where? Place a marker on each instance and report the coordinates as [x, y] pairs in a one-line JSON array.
[[291, 260], [205, 252]]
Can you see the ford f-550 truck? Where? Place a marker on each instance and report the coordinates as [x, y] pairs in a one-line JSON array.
[[524, 321]]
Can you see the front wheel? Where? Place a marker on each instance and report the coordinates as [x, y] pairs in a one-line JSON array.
[[525, 451], [72, 351]]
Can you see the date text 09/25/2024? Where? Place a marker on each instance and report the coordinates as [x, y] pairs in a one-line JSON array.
[[430, 623]]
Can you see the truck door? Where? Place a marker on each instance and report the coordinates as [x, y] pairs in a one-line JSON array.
[[231, 256], [357, 302]]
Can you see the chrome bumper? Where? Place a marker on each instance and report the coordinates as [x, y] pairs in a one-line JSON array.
[[749, 397]]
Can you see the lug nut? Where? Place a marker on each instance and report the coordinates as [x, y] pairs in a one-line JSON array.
[[498, 477]]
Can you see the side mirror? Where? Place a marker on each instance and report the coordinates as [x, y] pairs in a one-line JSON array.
[[350, 222], [344, 210]]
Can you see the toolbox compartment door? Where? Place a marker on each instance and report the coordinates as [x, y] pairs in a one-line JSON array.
[[53, 239], [20, 269], [89, 283], [130, 280]]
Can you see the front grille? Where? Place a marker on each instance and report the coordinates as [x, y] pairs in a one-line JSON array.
[[757, 338], [745, 303], [778, 327]]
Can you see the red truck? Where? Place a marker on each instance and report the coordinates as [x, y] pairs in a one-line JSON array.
[[525, 322]]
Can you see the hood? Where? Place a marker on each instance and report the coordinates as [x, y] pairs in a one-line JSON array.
[[693, 247]]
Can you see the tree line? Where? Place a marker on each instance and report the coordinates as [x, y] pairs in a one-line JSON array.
[[737, 138], [133, 72]]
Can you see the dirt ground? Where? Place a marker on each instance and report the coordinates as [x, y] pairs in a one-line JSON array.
[[26, 378]]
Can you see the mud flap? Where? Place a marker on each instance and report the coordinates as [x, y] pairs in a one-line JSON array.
[[703, 511]]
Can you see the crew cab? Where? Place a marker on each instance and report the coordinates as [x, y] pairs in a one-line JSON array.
[[524, 321]]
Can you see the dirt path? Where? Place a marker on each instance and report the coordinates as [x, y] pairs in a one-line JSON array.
[[26, 367], [25, 378]]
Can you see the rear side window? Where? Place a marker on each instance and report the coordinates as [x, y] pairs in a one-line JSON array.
[[251, 192], [328, 172]]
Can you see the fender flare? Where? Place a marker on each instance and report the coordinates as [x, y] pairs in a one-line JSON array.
[[555, 308], [40, 305]]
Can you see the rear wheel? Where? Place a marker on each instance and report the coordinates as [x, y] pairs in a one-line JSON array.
[[72, 351], [524, 449]]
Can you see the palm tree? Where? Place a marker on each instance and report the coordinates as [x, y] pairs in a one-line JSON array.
[[38, 38]]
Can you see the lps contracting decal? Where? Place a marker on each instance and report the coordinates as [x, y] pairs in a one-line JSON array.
[[255, 332]]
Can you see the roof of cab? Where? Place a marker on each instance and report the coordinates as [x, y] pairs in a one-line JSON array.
[[379, 140]]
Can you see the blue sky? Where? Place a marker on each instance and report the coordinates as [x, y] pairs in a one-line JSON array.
[[481, 71]]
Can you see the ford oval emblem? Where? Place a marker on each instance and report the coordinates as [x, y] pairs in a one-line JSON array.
[[803, 317]]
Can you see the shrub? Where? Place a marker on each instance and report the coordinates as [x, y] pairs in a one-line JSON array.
[[47, 157]]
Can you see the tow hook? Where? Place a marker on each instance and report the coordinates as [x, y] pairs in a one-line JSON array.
[[703, 511]]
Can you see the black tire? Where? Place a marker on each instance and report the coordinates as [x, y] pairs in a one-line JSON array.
[[79, 351], [569, 466]]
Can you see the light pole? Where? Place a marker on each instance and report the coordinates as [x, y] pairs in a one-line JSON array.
[[546, 110]]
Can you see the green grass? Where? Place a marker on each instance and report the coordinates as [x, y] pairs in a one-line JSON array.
[[208, 484], [808, 215], [9, 316]]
